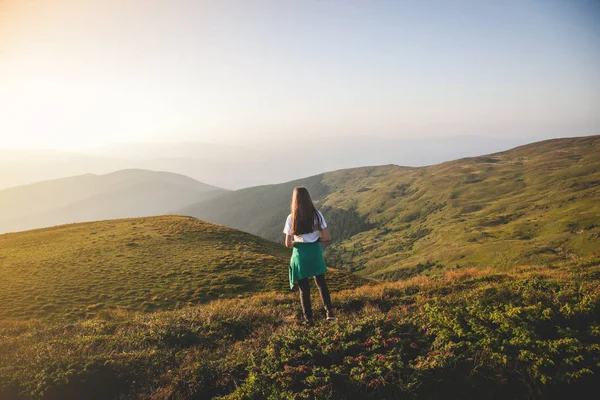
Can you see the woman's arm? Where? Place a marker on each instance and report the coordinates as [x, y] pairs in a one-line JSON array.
[[289, 241], [325, 238]]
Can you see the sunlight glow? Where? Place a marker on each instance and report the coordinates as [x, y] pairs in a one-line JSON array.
[[77, 74]]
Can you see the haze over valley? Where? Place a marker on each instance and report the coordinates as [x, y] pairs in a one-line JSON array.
[[235, 166], [122, 194]]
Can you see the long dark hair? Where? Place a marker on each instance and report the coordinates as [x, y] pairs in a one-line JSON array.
[[305, 218]]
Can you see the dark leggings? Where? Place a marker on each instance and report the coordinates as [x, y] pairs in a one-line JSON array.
[[304, 285]]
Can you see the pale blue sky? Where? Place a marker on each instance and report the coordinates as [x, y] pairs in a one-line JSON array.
[[76, 74]]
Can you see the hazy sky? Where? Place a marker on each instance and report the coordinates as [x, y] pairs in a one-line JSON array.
[[81, 73]]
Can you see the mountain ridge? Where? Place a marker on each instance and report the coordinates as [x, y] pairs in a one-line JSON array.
[[87, 197], [396, 221]]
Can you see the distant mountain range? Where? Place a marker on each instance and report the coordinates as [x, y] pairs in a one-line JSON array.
[[236, 166], [127, 193], [537, 203]]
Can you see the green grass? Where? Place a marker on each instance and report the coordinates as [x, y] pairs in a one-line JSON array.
[[530, 333], [143, 264], [534, 204]]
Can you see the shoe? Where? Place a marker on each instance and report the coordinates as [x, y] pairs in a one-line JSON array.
[[330, 316], [308, 322]]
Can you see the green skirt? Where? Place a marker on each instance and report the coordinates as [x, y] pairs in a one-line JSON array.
[[307, 260]]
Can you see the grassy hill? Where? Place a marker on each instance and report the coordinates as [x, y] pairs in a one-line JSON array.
[[534, 204], [143, 264], [126, 193], [530, 333]]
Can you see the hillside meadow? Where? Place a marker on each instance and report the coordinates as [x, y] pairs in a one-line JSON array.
[[143, 264], [535, 204], [530, 333]]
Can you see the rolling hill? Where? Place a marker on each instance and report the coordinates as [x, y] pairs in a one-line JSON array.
[[534, 204], [143, 264], [121, 194]]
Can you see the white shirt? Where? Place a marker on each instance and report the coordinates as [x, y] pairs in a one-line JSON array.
[[307, 237]]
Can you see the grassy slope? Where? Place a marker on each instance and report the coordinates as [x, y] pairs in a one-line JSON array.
[[533, 204], [139, 264], [526, 334]]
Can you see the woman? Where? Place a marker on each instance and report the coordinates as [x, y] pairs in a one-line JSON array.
[[305, 230]]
